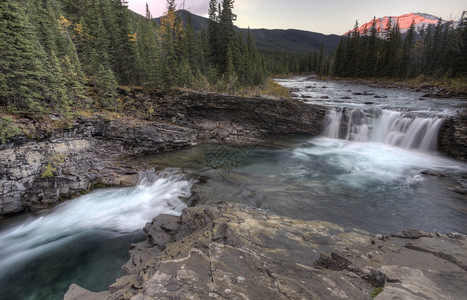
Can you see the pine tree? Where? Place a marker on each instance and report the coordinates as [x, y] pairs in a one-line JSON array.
[[213, 35], [227, 32], [407, 51], [170, 31], [125, 45], [106, 85], [148, 51], [21, 59], [459, 48]]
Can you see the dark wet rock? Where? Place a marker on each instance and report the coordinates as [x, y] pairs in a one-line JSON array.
[[429, 173], [231, 251], [346, 97], [324, 97], [369, 103], [365, 93], [452, 139], [324, 87], [438, 95], [306, 97], [380, 97]]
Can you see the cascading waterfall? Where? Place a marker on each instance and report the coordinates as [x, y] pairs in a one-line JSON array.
[[383, 126], [115, 210]]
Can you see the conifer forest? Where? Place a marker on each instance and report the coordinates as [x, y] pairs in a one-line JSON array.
[[59, 54]]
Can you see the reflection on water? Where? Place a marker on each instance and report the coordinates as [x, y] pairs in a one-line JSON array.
[[371, 186]]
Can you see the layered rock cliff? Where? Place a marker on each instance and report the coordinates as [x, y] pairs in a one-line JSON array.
[[38, 172], [453, 137]]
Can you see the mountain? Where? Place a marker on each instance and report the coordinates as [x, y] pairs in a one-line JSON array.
[[420, 20], [291, 40]]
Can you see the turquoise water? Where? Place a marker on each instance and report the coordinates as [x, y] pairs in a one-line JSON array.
[[84, 241]]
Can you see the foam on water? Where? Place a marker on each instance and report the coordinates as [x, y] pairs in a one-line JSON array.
[[115, 209], [357, 164], [384, 126]]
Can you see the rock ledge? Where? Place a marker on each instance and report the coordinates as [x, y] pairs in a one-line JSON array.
[[231, 251]]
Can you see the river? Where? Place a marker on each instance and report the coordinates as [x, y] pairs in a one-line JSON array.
[[83, 241], [375, 168]]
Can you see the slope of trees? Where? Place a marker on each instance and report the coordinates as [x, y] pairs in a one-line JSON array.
[[438, 52], [58, 54]]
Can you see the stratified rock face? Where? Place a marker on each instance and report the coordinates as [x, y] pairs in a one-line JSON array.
[[35, 174], [38, 174], [230, 251], [236, 119], [453, 137]]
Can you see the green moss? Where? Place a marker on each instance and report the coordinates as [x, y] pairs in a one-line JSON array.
[[51, 167], [48, 171], [376, 291]]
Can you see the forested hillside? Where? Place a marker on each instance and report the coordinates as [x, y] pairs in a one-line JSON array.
[[291, 40], [58, 54], [436, 53]]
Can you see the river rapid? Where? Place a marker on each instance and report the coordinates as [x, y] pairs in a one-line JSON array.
[[375, 168]]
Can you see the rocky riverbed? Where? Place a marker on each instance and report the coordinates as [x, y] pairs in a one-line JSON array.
[[228, 250], [37, 173], [231, 251]]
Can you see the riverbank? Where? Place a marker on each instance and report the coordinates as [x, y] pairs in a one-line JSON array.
[[181, 120], [50, 164], [431, 87], [231, 251]]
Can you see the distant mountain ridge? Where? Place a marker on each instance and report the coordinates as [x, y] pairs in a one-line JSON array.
[[420, 20], [292, 40]]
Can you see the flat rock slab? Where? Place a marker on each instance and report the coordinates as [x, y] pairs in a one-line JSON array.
[[231, 251]]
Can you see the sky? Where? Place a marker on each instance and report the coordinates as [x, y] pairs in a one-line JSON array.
[[323, 16]]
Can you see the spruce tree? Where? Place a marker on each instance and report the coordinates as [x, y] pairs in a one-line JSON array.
[[21, 59]]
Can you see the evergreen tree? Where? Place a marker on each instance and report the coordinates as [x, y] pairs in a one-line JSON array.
[[106, 85], [459, 48], [148, 51], [170, 31], [21, 59]]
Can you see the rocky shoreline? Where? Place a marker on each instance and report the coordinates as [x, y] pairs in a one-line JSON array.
[[227, 250], [231, 251], [37, 173]]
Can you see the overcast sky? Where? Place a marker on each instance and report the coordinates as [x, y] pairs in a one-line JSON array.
[[324, 16]]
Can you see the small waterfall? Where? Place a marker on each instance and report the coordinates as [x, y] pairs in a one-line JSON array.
[[112, 210], [383, 126]]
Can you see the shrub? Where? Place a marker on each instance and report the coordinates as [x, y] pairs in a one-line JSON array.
[[8, 129]]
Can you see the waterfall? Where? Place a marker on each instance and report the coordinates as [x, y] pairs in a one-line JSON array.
[[383, 126], [115, 210]]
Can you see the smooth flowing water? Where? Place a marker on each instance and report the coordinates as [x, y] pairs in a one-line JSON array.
[[83, 241], [375, 168]]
